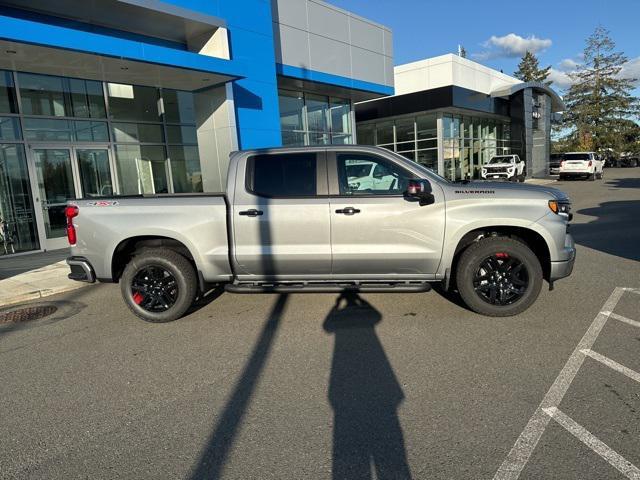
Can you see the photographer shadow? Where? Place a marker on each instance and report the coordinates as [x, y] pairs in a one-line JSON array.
[[365, 395]]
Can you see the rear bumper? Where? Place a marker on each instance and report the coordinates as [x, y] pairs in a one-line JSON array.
[[575, 173], [81, 270]]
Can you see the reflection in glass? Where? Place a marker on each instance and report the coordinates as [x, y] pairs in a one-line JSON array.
[[9, 128], [133, 102], [185, 169], [137, 133], [18, 232], [182, 134], [8, 102], [95, 172], [55, 181], [366, 135], [384, 132], [291, 110], [340, 116], [141, 169], [47, 129], [86, 131], [60, 96], [178, 106], [317, 113]]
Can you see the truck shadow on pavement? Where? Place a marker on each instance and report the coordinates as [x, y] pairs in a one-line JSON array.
[[614, 230], [624, 183]]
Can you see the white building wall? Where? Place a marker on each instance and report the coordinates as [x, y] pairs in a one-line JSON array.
[[315, 35], [447, 70]]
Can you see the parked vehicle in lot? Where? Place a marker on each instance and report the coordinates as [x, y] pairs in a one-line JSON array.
[[295, 220], [628, 161], [587, 165], [554, 163], [506, 167]]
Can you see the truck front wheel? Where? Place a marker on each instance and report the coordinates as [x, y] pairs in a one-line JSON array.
[[499, 277], [159, 285]]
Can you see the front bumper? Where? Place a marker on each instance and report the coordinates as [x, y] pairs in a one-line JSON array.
[[81, 270], [496, 175], [564, 268]]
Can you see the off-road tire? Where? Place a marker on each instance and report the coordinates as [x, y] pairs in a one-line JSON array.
[[470, 261], [174, 263]]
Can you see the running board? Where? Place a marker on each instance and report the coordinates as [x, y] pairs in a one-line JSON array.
[[328, 288]]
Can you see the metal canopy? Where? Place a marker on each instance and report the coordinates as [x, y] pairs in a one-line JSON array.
[[505, 91], [54, 61], [152, 18]]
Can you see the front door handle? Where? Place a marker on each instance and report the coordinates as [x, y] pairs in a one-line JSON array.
[[251, 213], [348, 211]]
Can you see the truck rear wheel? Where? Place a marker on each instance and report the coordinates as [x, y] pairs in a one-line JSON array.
[[499, 277], [159, 285]]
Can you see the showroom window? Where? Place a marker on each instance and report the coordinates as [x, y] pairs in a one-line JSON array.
[[310, 119]]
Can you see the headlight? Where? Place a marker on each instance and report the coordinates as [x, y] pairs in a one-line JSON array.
[[560, 207], [484, 170]]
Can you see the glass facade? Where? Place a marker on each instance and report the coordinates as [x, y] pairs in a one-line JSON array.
[[467, 141], [310, 119], [86, 138]]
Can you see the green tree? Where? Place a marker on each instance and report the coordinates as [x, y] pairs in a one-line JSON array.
[[529, 70], [599, 98]]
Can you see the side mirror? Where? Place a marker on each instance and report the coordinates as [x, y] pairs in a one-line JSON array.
[[419, 190]]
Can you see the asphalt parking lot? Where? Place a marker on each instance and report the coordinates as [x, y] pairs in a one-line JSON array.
[[304, 386]]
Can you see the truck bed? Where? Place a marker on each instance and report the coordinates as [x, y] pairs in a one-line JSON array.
[[198, 221]]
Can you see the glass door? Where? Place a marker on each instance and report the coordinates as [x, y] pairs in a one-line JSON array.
[[65, 173], [56, 186], [94, 168]]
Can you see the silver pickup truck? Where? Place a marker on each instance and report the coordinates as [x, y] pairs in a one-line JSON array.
[[310, 220]]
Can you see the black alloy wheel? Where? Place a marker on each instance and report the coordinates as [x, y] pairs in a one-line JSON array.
[[501, 279], [154, 289]]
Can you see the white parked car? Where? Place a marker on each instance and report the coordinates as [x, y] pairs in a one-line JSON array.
[[587, 165], [508, 167]]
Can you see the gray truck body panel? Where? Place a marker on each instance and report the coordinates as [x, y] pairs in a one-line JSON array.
[[300, 239]]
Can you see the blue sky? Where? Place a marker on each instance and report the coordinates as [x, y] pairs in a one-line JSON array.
[[494, 32]]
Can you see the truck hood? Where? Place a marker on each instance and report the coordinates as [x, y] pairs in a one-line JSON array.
[[504, 190]]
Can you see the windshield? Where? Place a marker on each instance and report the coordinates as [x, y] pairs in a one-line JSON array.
[[502, 159], [358, 170], [576, 156]]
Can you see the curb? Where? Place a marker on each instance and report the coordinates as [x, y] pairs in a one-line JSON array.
[[37, 294]]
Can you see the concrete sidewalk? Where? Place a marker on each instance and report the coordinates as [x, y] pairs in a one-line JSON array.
[[29, 277]]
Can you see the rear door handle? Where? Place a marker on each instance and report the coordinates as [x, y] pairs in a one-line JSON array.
[[251, 213], [348, 211]]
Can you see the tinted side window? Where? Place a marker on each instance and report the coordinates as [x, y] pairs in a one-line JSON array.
[[387, 178], [285, 175]]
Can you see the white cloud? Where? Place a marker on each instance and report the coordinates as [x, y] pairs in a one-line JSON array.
[[568, 65], [561, 75], [560, 79], [512, 45], [631, 69]]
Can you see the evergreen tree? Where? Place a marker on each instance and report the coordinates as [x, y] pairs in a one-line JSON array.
[[599, 98], [529, 70]]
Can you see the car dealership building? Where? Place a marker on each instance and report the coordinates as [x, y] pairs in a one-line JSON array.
[[116, 97], [452, 115]]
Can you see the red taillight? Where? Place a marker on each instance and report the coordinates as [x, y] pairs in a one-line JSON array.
[[562, 164], [589, 163], [71, 212]]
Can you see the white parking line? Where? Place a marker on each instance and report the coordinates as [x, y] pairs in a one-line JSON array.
[[528, 439], [616, 460], [632, 374], [623, 319]]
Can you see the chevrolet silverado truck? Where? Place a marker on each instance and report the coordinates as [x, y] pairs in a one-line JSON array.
[[294, 220]]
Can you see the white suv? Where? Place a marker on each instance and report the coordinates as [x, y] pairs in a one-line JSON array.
[[581, 164], [507, 167]]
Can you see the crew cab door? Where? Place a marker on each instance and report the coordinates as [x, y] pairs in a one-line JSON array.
[[280, 216], [377, 231]]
